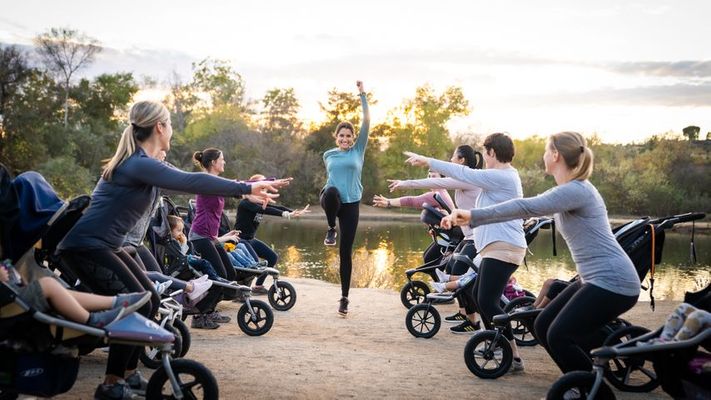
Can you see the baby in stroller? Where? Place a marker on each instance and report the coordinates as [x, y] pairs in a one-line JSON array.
[[47, 293], [203, 266]]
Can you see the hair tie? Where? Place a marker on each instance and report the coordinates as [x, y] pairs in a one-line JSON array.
[[135, 126], [582, 149]]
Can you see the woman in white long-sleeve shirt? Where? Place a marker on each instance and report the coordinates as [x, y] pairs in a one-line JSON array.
[[502, 246], [608, 284], [465, 196]]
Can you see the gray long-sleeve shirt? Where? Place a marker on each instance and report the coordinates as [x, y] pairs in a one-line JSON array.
[[497, 186], [117, 205], [581, 217]]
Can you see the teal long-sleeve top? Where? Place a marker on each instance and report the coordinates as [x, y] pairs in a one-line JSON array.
[[344, 168]]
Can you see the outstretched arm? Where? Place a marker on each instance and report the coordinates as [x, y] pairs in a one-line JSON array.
[[362, 140]]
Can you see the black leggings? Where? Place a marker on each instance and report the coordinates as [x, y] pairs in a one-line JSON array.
[[467, 248], [489, 286], [433, 252], [110, 272], [572, 315], [216, 255], [347, 214], [264, 251]]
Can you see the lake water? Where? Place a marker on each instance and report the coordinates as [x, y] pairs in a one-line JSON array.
[[384, 250]]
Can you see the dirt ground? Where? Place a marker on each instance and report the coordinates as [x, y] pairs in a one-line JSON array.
[[312, 353]]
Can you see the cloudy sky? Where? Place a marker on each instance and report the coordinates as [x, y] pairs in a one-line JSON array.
[[624, 70]]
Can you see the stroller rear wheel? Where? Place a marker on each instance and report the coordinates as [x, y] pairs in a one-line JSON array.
[[488, 356], [282, 296], [522, 333], [194, 379], [630, 374], [423, 321], [184, 335], [151, 356], [413, 293], [577, 385], [263, 318]]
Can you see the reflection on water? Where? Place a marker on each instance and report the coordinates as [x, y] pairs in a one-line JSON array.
[[384, 250]]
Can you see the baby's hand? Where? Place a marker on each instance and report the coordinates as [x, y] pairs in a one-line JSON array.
[[4, 275]]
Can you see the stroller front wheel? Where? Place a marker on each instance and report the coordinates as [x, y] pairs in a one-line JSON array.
[[282, 296], [151, 355], [194, 379], [182, 328], [629, 374], [579, 384], [488, 355], [413, 293], [423, 321], [522, 334], [262, 321]]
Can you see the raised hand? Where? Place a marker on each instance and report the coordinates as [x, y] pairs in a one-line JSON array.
[[298, 213], [359, 84], [416, 159], [380, 201], [280, 183], [394, 184], [266, 191], [456, 218]]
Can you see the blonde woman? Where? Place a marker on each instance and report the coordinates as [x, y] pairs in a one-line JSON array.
[[608, 284], [128, 185]]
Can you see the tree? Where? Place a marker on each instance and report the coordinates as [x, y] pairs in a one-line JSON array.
[[13, 72], [182, 102], [279, 117], [64, 51], [692, 132], [222, 83]]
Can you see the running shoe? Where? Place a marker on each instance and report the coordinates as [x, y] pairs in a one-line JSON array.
[[202, 321], [330, 239], [465, 327], [259, 290], [457, 318], [441, 275], [215, 316], [343, 306], [115, 391], [137, 383], [516, 366], [438, 286]]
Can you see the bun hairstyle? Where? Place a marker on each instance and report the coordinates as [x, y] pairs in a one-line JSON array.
[[143, 117], [472, 158], [204, 159], [346, 125], [572, 146], [503, 146]]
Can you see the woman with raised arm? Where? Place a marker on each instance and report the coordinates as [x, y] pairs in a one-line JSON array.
[[125, 192], [608, 284], [501, 246], [340, 197]]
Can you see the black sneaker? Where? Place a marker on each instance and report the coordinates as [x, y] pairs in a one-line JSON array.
[[137, 383], [465, 327], [115, 391], [343, 307], [457, 318], [202, 321], [330, 239]]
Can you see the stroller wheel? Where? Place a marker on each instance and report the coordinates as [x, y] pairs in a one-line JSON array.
[[151, 356], [579, 384], [194, 379], [184, 335], [261, 324], [423, 321], [486, 356], [282, 296], [630, 374], [522, 333], [413, 293]]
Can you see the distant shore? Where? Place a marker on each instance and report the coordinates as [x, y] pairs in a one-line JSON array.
[[370, 213]]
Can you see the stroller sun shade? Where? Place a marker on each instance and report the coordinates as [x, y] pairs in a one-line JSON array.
[[28, 205]]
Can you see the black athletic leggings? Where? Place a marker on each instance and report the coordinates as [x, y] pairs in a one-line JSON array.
[[347, 214], [572, 315], [489, 286], [110, 272], [216, 255]]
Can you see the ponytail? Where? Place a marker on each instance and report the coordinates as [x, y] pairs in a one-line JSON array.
[[144, 116], [579, 158], [203, 159]]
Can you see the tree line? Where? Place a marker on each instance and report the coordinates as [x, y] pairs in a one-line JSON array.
[[64, 128]]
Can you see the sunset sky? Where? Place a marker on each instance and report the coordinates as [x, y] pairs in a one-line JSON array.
[[624, 70]]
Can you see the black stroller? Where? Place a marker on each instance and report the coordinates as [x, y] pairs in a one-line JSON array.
[[625, 363], [423, 320], [254, 318], [488, 354], [40, 352]]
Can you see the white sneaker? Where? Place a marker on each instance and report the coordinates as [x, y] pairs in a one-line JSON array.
[[438, 286], [161, 287], [441, 275], [200, 288]]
